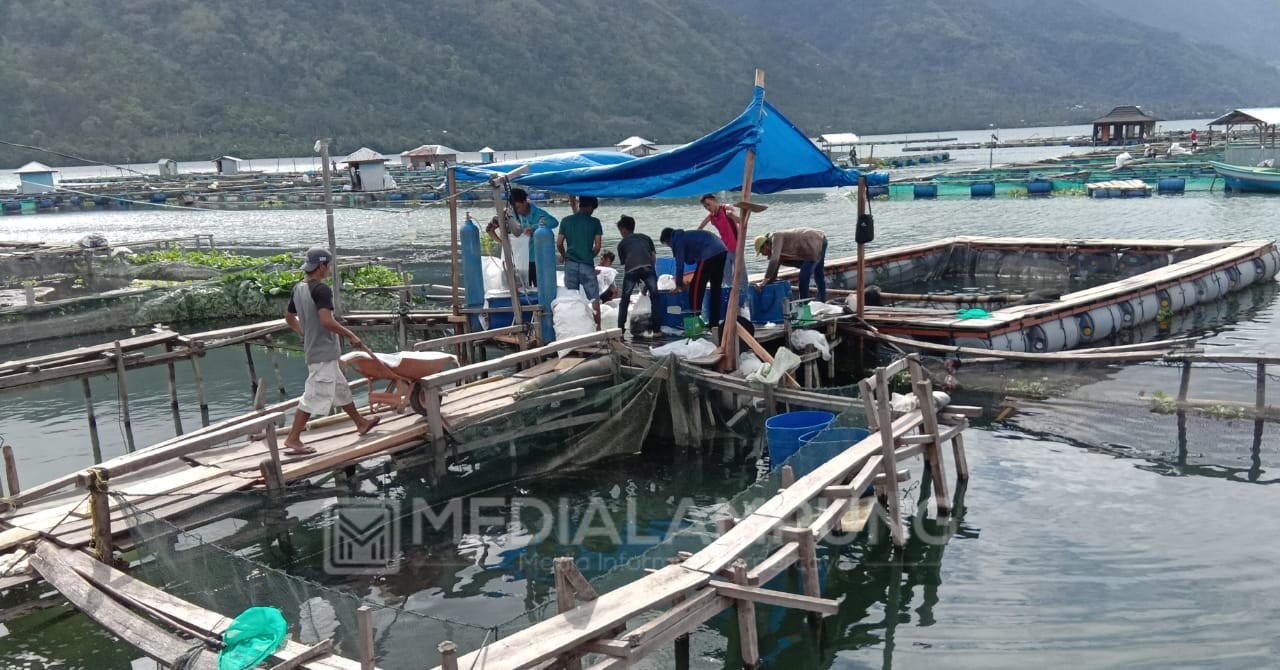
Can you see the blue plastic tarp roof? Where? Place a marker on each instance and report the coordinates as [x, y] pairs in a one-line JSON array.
[[785, 159]]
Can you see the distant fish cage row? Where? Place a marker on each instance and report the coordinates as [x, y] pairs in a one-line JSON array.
[[990, 188], [126, 201]]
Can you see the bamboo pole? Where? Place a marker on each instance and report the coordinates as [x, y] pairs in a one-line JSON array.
[[173, 393], [889, 456], [123, 389], [508, 262], [746, 619], [328, 223], [452, 188], [448, 655], [94, 442], [729, 333]]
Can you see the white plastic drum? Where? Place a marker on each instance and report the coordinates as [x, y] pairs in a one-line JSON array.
[[1173, 298], [1146, 307], [1047, 337], [974, 342], [1097, 324], [1014, 341]]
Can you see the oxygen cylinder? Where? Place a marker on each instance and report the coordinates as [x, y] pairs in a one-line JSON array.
[[472, 270], [544, 255]]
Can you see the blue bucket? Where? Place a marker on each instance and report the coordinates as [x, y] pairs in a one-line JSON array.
[[784, 430], [822, 445]]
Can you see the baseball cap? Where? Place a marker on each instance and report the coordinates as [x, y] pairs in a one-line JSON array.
[[316, 256]]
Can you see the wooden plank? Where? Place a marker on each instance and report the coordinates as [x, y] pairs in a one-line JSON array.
[[780, 598], [190, 444], [125, 587], [447, 377], [325, 648], [478, 336], [147, 637], [359, 452], [566, 631], [89, 352], [856, 518]]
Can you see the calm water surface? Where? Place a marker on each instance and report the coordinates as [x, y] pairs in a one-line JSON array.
[[1094, 533]]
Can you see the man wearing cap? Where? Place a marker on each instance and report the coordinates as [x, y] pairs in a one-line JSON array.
[[310, 315], [804, 248]]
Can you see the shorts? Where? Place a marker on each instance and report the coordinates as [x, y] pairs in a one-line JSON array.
[[581, 274], [325, 389]]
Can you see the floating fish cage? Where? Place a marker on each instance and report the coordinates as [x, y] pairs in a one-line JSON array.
[[1097, 287]]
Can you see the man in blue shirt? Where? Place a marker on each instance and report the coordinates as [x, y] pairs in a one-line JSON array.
[[706, 250], [530, 217]]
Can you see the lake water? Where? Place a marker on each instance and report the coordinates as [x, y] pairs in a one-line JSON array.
[[1094, 533]]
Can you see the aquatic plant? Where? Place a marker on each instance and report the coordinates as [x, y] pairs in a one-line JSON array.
[[213, 258], [373, 276], [1027, 388], [1161, 403], [267, 283]]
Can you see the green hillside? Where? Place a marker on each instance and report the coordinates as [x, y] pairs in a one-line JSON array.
[[139, 79]]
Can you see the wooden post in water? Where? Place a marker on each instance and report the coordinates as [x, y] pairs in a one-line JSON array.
[[253, 372], [452, 195], [123, 389], [94, 443], [746, 619], [448, 653], [862, 248], [95, 481], [564, 599], [11, 471], [275, 367], [729, 332], [889, 459], [364, 620], [1260, 400], [204, 398], [173, 394], [929, 418]]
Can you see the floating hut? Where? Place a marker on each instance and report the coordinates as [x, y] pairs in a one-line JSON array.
[[228, 165], [428, 156], [167, 167], [1264, 121], [36, 178], [486, 154], [838, 144], [367, 169], [636, 146], [1126, 124]]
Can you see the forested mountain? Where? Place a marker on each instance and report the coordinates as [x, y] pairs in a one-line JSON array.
[[138, 79], [1247, 27]]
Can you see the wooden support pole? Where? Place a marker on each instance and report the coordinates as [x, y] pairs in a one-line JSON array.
[[275, 368], [862, 248], [729, 336], [273, 450], [94, 442], [889, 455], [364, 620], [253, 372], [746, 619], [788, 476], [122, 387], [508, 261], [173, 392], [962, 464], [203, 397], [929, 422], [452, 187], [448, 650], [11, 471], [564, 599], [808, 550], [1184, 382], [1260, 400], [95, 480]]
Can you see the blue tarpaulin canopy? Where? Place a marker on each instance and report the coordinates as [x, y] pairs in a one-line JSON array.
[[785, 159]]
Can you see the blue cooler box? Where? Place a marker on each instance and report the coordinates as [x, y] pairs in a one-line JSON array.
[[767, 303], [504, 319]]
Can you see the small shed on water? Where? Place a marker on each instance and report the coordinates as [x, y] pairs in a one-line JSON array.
[[486, 155], [1126, 124], [1263, 119], [367, 169], [36, 178], [429, 156], [636, 146], [228, 165], [167, 167]]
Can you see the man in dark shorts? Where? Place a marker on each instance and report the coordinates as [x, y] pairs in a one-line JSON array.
[[310, 315], [639, 260], [706, 250]]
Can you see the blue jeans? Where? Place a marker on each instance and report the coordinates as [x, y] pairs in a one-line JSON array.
[[818, 270], [581, 274], [649, 278]]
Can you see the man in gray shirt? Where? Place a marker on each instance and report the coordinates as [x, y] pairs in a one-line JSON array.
[[638, 258], [310, 315]]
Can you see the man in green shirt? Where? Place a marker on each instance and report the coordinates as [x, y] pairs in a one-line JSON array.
[[578, 244]]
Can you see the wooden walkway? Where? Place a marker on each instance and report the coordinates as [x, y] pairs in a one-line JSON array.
[[698, 586]]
